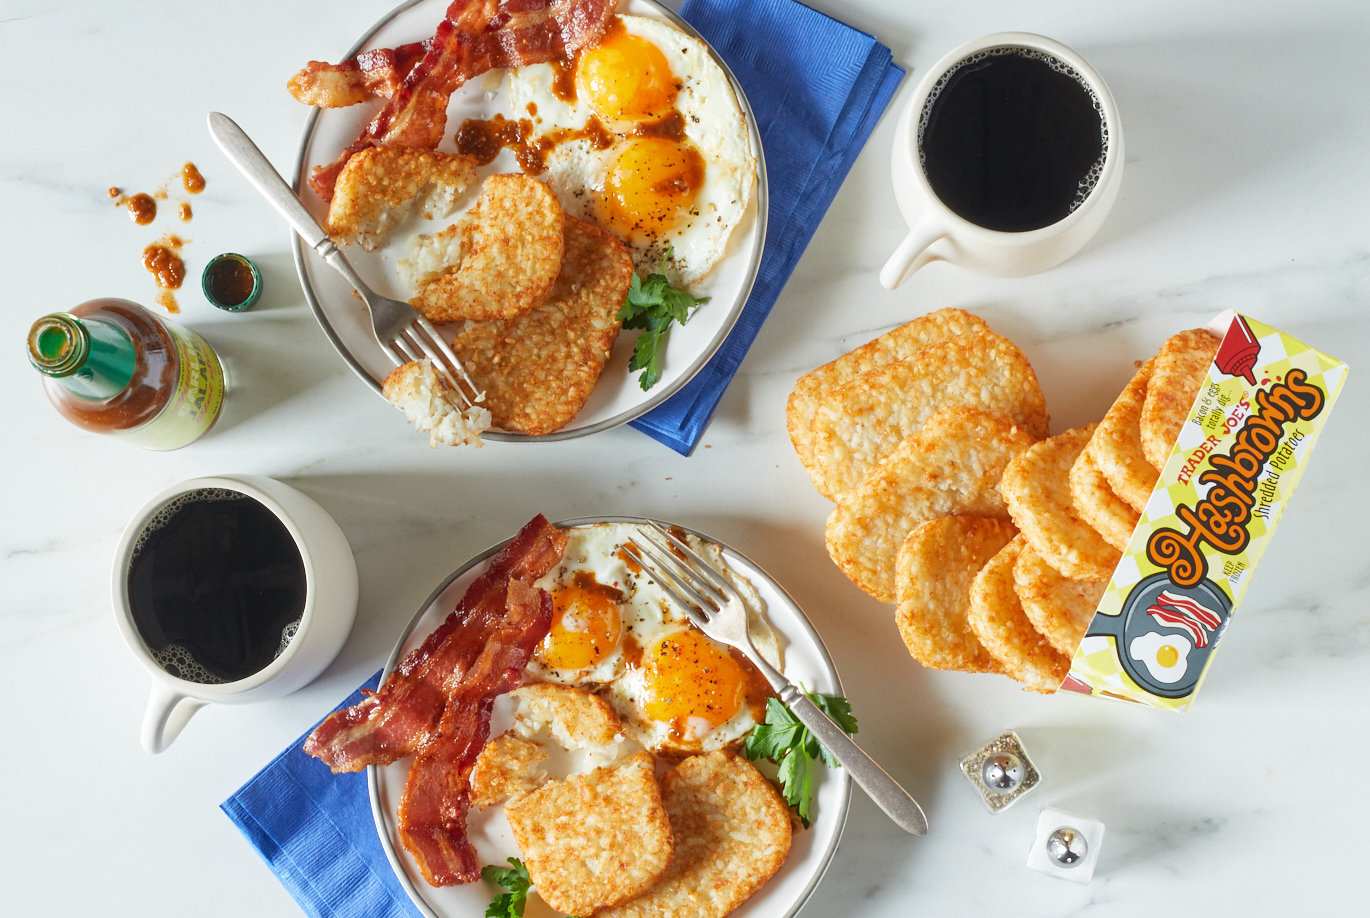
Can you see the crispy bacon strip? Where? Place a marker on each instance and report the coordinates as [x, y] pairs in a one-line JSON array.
[[1189, 615], [374, 73], [432, 817], [475, 36], [1174, 619], [396, 720], [1191, 607]]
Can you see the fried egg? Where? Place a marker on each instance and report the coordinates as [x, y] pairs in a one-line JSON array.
[[1165, 656], [644, 136], [615, 631]]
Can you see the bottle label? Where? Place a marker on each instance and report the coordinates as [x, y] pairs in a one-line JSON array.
[[196, 401]]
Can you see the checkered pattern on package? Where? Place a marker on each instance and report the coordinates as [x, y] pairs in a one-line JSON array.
[[1218, 499]]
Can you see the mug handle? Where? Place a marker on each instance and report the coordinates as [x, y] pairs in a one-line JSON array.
[[912, 253], [166, 715]]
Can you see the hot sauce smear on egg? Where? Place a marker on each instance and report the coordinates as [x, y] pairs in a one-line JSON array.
[[640, 133], [615, 631]]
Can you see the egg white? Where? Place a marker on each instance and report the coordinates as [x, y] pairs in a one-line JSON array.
[[1145, 649], [595, 549], [628, 695], [714, 124], [648, 615]]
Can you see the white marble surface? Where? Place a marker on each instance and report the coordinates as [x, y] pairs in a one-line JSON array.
[[1246, 187]]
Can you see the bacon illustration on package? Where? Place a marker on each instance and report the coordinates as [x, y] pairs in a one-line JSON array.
[[1229, 476]]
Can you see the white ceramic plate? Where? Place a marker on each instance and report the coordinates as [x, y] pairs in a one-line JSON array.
[[806, 662], [617, 398]]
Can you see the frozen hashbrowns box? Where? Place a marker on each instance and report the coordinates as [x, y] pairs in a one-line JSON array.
[[1230, 473]]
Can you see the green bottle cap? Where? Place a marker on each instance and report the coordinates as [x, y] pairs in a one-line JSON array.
[[231, 282]]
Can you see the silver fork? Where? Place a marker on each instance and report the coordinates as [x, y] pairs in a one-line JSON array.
[[400, 330], [714, 605]]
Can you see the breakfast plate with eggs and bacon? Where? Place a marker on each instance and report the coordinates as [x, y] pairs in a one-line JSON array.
[[622, 686], [638, 130]]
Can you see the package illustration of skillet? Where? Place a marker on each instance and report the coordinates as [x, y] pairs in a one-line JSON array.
[[1228, 478]]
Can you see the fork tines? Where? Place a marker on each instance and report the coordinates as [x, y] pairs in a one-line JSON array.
[[420, 339], [690, 581]]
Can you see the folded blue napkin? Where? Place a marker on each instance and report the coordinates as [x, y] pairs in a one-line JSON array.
[[817, 88], [314, 829]]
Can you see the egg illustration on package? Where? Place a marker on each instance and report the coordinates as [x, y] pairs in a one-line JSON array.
[[1166, 634], [1165, 656]]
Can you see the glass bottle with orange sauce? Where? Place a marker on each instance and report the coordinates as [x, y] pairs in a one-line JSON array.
[[112, 367]]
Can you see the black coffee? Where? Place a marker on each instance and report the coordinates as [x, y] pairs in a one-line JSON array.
[[217, 586], [1012, 140]]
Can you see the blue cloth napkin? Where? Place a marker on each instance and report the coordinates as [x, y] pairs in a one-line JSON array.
[[817, 88]]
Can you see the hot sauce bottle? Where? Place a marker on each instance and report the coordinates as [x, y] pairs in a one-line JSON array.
[[112, 367]]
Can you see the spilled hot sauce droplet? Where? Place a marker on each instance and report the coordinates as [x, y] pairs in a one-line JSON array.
[[192, 179], [163, 261], [141, 208]]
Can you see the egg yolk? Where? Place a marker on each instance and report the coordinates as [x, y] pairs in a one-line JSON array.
[[650, 181], [691, 683], [1167, 655], [586, 625], [626, 78]]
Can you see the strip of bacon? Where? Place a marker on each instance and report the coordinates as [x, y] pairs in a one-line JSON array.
[[432, 816], [1197, 636], [475, 36], [1193, 608], [371, 74], [396, 720]]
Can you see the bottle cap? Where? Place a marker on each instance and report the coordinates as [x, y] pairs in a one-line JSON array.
[[231, 282]]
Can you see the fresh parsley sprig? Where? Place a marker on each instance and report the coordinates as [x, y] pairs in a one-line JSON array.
[[515, 880], [782, 739], [653, 306]]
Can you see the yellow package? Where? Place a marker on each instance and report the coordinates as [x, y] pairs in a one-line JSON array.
[[1230, 473]]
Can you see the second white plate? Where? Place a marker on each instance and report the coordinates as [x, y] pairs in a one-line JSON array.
[[806, 662]]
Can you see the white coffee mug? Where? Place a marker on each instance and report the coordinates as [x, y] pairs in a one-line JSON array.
[[330, 606], [939, 234]]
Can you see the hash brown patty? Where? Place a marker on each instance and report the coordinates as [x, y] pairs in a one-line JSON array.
[[539, 368], [732, 833], [594, 840]]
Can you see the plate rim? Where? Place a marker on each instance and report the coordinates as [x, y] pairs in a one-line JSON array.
[[761, 200], [842, 776]]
